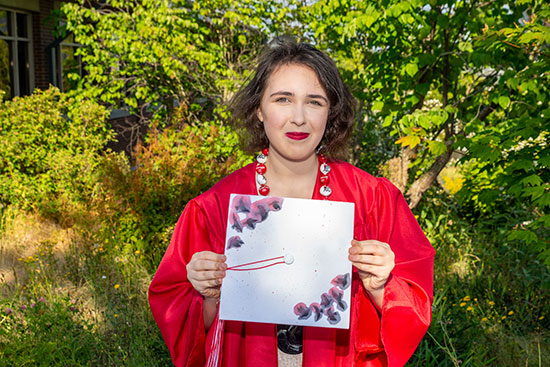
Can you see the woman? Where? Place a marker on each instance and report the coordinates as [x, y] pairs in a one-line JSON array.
[[295, 107]]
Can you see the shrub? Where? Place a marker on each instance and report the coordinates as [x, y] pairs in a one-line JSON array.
[[50, 146], [138, 205]]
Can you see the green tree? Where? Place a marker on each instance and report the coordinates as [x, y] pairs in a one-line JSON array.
[[442, 79], [149, 56], [425, 69], [451, 79]]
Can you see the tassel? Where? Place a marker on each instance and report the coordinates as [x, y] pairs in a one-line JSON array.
[[214, 359]]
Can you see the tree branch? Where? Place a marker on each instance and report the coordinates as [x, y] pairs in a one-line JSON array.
[[424, 182]]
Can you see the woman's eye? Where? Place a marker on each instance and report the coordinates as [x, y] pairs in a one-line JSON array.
[[316, 103], [282, 99]]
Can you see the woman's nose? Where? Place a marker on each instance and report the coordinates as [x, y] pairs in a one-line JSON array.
[[298, 115]]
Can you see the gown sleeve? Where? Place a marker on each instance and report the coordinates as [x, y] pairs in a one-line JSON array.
[[406, 310], [176, 306]]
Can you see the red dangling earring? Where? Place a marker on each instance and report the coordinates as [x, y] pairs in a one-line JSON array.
[[260, 170]]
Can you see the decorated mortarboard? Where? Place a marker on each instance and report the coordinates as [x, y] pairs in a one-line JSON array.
[[288, 261]]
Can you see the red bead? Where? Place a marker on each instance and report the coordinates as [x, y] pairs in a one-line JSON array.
[[265, 151], [264, 190], [322, 158], [323, 180], [260, 168]]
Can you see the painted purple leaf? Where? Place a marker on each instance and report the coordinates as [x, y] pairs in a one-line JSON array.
[[241, 204], [302, 311], [249, 222], [342, 281], [260, 210], [274, 203], [337, 294], [333, 317], [258, 213], [235, 222], [317, 312], [326, 301], [234, 242]]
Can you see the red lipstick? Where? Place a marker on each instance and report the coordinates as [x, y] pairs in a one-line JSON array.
[[297, 136]]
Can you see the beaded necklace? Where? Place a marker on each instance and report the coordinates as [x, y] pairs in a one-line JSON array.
[[261, 168], [290, 337]]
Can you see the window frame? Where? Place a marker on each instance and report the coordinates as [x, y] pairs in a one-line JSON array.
[[56, 60], [15, 39]]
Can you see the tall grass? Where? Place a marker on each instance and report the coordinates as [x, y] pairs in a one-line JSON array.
[[84, 307], [492, 296], [74, 301]]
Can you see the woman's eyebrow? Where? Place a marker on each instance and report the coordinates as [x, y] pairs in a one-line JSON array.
[[284, 93], [281, 93], [318, 96]]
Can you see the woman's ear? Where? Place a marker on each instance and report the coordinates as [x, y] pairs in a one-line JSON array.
[[259, 115]]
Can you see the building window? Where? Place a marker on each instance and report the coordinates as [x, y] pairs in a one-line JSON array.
[[67, 65], [16, 78]]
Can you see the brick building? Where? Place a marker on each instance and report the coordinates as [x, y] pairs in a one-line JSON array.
[[30, 54]]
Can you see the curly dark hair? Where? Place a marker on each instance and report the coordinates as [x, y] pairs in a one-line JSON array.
[[281, 51]]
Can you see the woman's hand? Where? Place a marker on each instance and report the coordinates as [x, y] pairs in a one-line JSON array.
[[374, 261], [205, 271]]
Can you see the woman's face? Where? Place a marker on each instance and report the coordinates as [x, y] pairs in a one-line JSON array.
[[294, 110]]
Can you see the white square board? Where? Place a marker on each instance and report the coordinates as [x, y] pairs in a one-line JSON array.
[[313, 286]]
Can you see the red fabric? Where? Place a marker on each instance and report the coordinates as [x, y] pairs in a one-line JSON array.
[[385, 338]]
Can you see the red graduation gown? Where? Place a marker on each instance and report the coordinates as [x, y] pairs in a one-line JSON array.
[[388, 338]]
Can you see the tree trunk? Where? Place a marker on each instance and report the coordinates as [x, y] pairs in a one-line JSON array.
[[423, 183]]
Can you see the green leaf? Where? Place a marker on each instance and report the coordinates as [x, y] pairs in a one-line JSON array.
[[437, 148], [411, 69], [424, 121], [534, 192], [512, 83], [545, 161], [533, 180], [488, 196], [544, 200], [522, 164], [387, 121], [523, 235], [545, 220], [465, 46], [377, 106], [503, 101]]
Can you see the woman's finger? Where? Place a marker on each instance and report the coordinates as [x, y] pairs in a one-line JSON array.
[[206, 265], [369, 247], [369, 243], [367, 259], [203, 285], [374, 270], [208, 255], [207, 275]]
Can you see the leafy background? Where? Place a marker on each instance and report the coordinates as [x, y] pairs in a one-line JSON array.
[[454, 108]]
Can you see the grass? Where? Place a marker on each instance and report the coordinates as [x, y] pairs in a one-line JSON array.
[[85, 306], [73, 298], [492, 296]]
